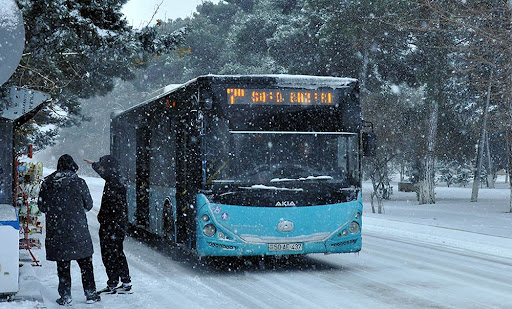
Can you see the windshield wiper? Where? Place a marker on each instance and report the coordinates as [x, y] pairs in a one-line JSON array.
[[263, 187], [260, 187], [212, 177], [302, 178]]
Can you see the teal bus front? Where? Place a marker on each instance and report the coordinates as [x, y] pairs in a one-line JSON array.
[[233, 230], [279, 193]]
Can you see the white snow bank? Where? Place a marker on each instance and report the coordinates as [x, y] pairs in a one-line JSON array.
[[444, 236]]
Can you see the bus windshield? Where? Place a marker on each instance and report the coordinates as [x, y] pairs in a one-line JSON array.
[[277, 159]]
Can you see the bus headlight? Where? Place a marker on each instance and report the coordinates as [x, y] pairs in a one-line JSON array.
[[358, 215], [205, 218], [209, 230], [354, 227]]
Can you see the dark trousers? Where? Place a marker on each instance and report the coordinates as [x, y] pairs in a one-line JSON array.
[[63, 270], [112, 254]]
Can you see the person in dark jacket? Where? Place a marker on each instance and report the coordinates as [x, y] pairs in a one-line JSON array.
[[113, 219], [64, 198]]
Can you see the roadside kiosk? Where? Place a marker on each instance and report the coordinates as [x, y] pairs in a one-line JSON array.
[[9, 254]]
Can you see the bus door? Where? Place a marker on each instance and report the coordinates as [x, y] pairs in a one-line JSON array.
[[142, 176], [188, 177]]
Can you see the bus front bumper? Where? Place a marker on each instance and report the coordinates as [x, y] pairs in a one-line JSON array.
[[209, 246]]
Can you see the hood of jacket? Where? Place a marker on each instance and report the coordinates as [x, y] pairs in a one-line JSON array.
[[66, 163], [110, 166]]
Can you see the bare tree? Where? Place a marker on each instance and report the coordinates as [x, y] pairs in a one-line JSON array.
[[481, 144]]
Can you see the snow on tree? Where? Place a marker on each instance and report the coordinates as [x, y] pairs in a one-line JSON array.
[[74, 50]]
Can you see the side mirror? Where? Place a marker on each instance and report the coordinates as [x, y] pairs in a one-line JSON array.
[[369, 144]]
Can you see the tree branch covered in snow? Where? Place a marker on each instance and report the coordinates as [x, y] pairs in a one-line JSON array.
[[74, 50]]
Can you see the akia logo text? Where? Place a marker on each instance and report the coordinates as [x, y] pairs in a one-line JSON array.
[[285, 203]]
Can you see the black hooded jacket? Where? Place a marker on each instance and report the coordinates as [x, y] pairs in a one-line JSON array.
[[64, 198], [114, 208]]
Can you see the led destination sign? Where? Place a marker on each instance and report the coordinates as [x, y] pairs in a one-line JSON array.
[[280, 96]]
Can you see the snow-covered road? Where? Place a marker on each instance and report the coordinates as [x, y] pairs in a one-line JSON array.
[[415, 263], [388, 273]]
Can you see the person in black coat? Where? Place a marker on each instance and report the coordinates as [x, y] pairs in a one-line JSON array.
[[113, 219], [64, 198]]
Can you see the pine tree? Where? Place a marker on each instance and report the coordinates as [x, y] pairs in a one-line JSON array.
[[74, 49]]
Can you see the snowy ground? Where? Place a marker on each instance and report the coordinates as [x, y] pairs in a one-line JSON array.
[[453, 254]]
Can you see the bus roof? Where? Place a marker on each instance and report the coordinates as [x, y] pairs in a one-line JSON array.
[[280, 80], [286, 80]]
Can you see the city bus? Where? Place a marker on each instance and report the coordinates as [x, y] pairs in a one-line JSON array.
[[247, 165]]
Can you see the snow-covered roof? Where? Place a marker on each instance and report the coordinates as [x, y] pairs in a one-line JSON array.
[[281, 80], [300, 81], [163, 91], [153, 96]]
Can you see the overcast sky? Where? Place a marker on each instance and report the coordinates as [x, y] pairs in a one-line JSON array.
[[139, 12]]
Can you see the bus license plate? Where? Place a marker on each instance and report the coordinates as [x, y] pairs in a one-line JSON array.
[[285, 247]]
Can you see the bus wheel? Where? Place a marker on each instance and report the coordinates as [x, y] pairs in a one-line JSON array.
[[168, 221]]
